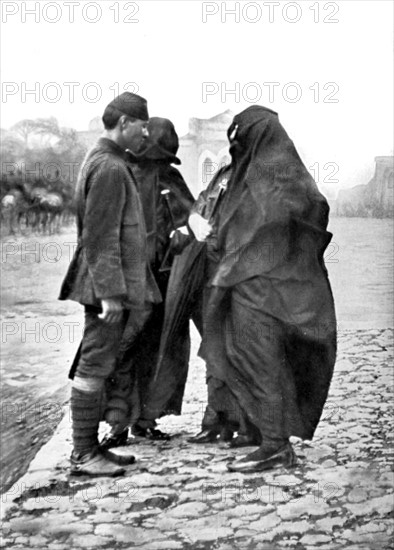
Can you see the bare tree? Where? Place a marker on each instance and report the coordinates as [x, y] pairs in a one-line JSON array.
[[46, 128], [25, 129]]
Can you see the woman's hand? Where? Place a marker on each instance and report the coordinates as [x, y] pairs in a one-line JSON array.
[[200, 227]]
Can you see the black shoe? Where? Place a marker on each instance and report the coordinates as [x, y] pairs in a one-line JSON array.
[[118, 456], [205, 436], [150, 433], [114, 440], [283, 457], [94, 464], [243, 441]]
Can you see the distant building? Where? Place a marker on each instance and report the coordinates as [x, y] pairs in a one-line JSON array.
[[374, 199], [384, 183], [204, 149]]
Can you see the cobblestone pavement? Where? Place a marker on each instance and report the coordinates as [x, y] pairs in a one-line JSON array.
[[180, 496]]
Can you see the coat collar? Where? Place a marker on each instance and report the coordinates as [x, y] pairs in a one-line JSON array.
[[109, 146]]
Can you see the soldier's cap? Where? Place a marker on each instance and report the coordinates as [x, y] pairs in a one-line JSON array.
[[131, 105]]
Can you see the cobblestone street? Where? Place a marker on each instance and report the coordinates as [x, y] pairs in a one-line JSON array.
[[180, 496]]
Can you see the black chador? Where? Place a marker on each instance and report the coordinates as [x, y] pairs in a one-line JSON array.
[[269, 331]]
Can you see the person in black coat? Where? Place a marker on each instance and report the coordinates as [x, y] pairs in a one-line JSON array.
[[166, 202], [109, 273]]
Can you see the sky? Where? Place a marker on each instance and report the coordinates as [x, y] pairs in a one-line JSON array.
[[325, 67]]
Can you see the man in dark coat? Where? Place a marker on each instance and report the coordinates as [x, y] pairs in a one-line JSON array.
[[269, 333], [109, 273], [166, 202]]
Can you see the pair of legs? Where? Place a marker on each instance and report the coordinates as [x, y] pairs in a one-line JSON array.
[[151, 390], [251, 384], [128, 388], [99, 348], [223, 417]]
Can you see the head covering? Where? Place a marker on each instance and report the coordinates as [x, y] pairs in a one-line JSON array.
[[265, 163], [271, 199], [131, 105], [162, 143]]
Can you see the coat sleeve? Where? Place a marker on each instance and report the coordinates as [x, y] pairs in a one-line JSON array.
[[180, 199], [199, 207], [207, 198], [102, 223]]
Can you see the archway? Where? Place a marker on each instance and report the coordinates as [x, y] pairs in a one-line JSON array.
[[223, 157], [207, 167]]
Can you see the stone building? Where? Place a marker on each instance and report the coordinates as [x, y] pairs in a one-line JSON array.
[[204, 149], [375, 199], [384, 184]]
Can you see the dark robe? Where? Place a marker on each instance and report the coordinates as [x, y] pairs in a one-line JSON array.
[[162, 214], [138, 357], [269, 335]]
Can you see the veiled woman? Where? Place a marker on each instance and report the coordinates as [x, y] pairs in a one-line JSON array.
[[269, 337], [166, 202]]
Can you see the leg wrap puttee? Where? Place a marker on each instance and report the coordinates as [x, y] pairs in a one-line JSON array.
[[85, 413]]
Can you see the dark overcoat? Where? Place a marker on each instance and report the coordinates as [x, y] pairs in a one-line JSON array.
[[111, 256]]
